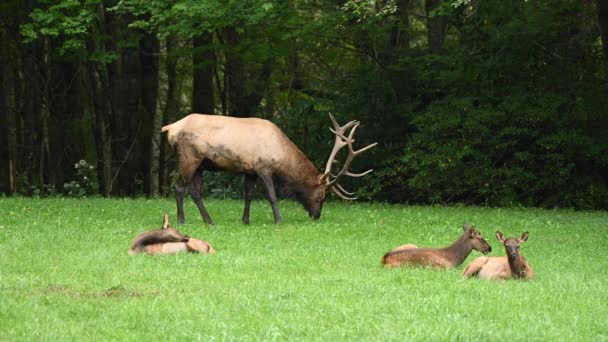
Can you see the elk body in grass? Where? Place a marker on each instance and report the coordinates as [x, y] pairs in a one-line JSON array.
[[514, 265], [446, 257], [143, 241], [256, 148], [168, 240]]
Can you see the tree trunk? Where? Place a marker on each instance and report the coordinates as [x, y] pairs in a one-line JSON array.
[[8, 105], [31, 112], [234, 71], [172, 107], [151, 115], [400, 34], [239, 77], [45, 102], [435, 26], [602, 16], [203, 63], [101, 107]]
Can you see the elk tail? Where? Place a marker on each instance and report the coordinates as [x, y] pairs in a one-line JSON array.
[[165, 128]]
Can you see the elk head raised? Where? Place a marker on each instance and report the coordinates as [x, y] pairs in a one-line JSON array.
[[512, 244]]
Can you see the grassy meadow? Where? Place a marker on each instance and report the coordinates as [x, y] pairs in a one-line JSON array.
[[65, 274]]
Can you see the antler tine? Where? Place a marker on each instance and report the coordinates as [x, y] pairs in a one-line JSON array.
[[343, 139], [350, 174], [337, 127], [361, 150], [341, 188], [337, 192]]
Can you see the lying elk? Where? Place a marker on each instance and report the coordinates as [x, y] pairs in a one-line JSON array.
[[514, 265], [256, 148], [158, 236], [446, 257], [168, 240]]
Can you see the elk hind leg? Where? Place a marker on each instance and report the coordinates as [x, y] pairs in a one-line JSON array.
[[272, 197], [472, 270], [195, 192], [249, 185], [186, 171]]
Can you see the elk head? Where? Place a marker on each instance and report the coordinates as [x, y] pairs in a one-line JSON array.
[[512, 244], [477, 240], [329, 181], [172, 234]]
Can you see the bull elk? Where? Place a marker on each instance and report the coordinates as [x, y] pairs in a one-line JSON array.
[[446, 257], [256, 148], [514, 265]]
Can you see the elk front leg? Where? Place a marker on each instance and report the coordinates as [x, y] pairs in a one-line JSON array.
[[195, 192], [249, 185], [272, 197]]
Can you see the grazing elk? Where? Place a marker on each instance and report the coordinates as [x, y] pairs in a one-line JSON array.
[[255, 148], [514, 265], [446, 257], [167, 240]]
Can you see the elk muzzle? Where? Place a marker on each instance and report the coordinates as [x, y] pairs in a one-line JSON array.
[[314, 210]]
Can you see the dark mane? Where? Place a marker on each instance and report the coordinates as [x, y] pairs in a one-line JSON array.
[[291, 188]]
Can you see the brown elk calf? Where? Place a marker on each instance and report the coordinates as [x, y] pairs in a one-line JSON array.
[[514, 265], [255, 148], [167, 240], [446, 257]]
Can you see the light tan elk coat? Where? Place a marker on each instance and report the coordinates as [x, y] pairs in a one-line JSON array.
[[255, 148], [514, 265], [446, 257], [168, 240]]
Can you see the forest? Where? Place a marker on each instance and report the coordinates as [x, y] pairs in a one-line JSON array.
[[481, 102]]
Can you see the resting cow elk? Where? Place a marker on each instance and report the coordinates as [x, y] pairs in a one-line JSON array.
[[168, 240], [446, 257], [514, 265], [255, 148], [155, 237]]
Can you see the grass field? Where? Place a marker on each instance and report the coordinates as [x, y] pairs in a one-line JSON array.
[[65, 274]]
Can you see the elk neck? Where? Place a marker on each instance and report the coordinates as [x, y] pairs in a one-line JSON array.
[[459, 250], [518, 266], [298, 177]]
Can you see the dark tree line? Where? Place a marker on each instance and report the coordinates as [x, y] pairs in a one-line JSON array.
[[483, 102]]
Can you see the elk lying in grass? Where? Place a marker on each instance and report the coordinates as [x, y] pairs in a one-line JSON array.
[[167, 240], [514, 265], [256, 148], [446, 257]]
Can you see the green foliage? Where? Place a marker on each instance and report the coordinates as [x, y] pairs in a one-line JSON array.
[[511, 110], [519, 152], [83, 183], [69, 20], [66, 274]]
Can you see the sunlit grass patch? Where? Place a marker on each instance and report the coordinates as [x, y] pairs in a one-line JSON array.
[[65, 274]]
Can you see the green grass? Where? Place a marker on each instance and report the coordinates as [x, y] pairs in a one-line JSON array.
[[65, 274]]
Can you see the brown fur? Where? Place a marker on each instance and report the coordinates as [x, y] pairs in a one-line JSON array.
[[192, 246], [254, 147], [446, 257], [158, 236], [168, 240], [514, 265]]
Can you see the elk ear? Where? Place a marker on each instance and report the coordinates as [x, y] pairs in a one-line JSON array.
[[166, 221], [465, 227], [523, 237], [500, 237], [323, 178]]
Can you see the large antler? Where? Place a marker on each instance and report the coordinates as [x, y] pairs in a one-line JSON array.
[[341, 141]]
